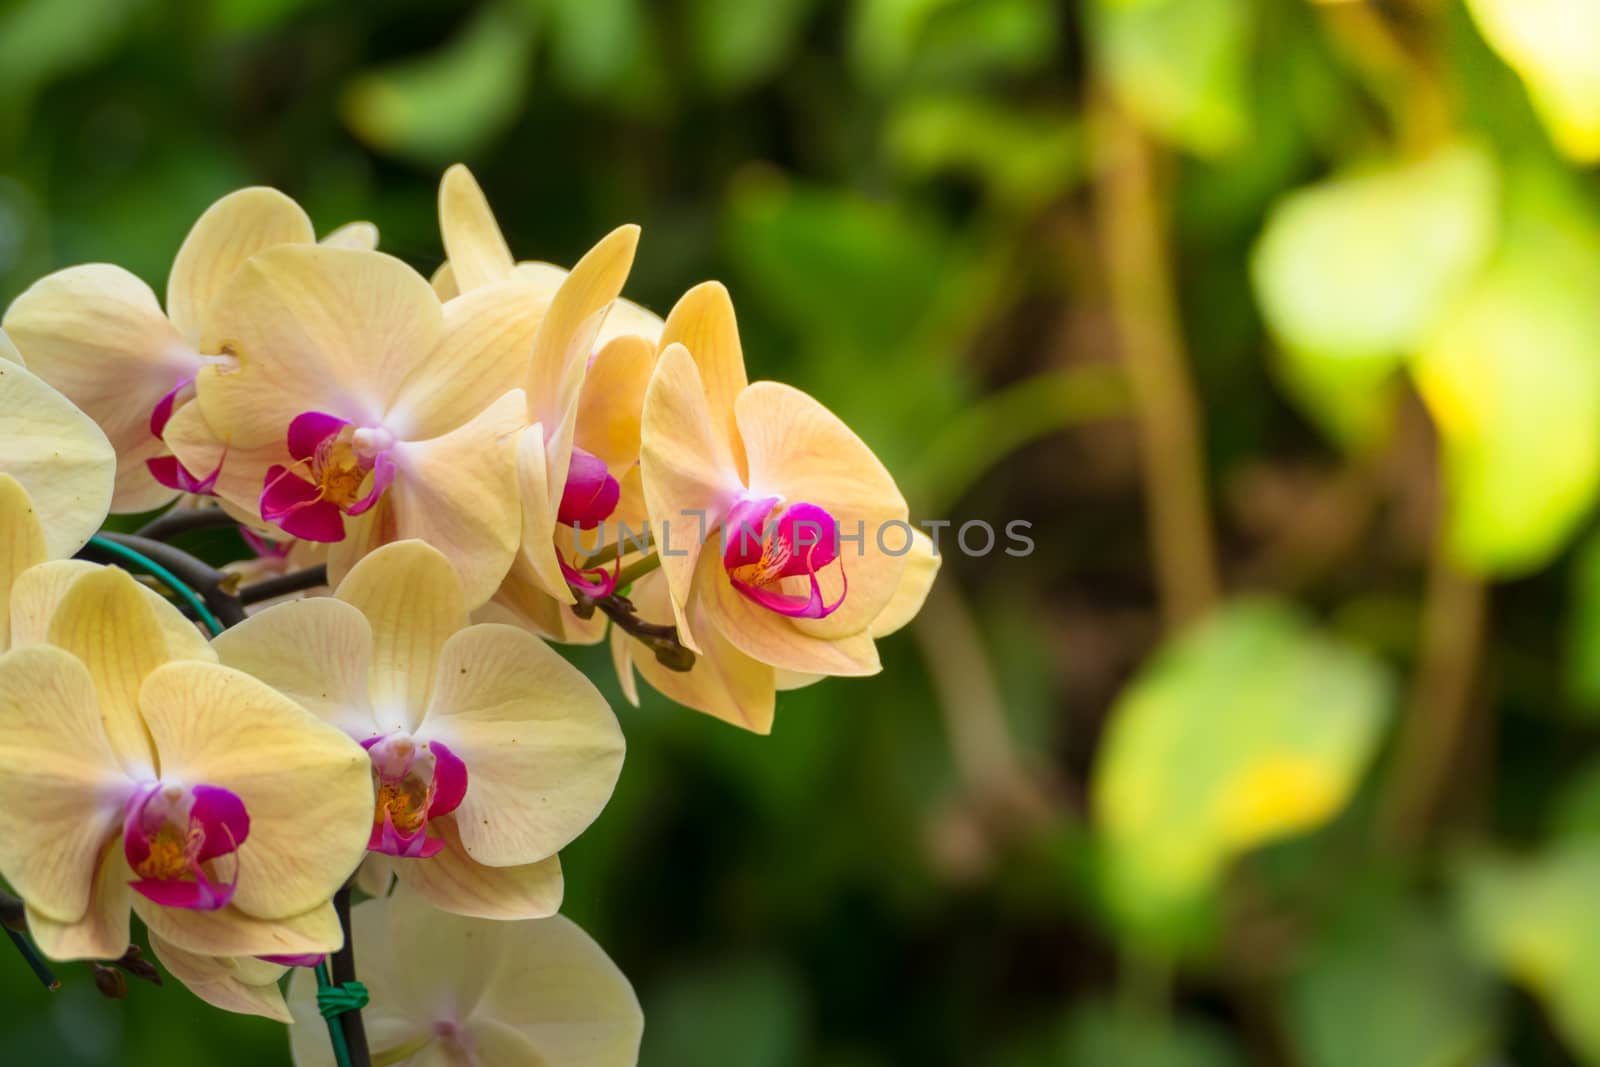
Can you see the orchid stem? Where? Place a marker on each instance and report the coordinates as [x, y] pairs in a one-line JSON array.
[[178, 521], [284, 584], [34, 960], [637, 569], [179, 571], [623, 546], [344, 970]]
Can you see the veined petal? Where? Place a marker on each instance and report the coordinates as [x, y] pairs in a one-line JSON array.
[[570, 327], [101, 933], [8, 350], [97, 334], [453, 881], [922, 567], [314, 652], [411, 598], [240, 471], [482, 354], [477, 253], [229, 232], [611, 402], [537, 560], [58, 455], [362, 236], [724, 682], [242, 984], [306, 785], [314, 329], [689, 477], [22, 545], [61, 786], [40, 590], [106, 622], [458, 492], [522, 601], [801, 451], [541, 747], [703, 322], [231, 932]]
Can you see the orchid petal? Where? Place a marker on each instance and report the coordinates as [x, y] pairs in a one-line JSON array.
[[537, 561], [313, 651], [522, 601], [295, 774], [61, 786], [38, 592], [231, 932], [22, 545], [101, 933], [229, 232], [453, 881], [58, 455], [476, 250], [570, 328], [239, 984], [412, 600], [922, 567], [703, 322], [361, 236], [541, 746], [611, 401]]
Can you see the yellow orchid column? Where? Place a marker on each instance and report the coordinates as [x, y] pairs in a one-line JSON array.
[[783, 541], [97, 333], [361, 410], [448, 990], [135, 772], [56, 475], [489, 752]]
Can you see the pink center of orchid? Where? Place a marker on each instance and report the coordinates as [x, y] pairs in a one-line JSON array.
[[764, 546], [176, 839], [588, 499], [414, 783], [338, 470], [166, 469]]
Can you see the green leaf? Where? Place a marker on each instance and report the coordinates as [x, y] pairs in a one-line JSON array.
[[944, 40], [1536, 920], [1389, 985], [452, 102], [1250, 727], [1552, 44], [738, 44], [1180, 66], [1583, 628], [1026, 157], [1350, 274], [1511, 376]]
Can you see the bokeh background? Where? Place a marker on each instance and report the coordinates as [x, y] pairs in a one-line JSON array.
[[1279, 321]]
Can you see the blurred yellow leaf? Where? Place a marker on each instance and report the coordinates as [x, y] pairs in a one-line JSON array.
[[1248, 728], [1180, 66], [1553, 45], [1537, 920], [1351, 273], [1511, 376]]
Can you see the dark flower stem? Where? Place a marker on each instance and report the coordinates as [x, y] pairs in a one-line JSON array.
[[344, 970]]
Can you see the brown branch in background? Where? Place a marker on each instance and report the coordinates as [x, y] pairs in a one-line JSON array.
[[1437, 716], [1133, 237]]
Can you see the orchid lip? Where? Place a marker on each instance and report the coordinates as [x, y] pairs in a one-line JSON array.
[[332, 461], [590, 494], [172, 833], [414, 782], [762, 546]]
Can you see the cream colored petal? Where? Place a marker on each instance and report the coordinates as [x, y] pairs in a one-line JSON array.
[[38, 592], [537, 562], [801, 451], [568, 331], [96, 333], [243, 470], [375, 877], [541, 747], [22, 545], [612, 401], [557, 987], [56, 453], [306, 785], [522, 601], [724, 682], [105, 620], [412, 601], [773, 639], [8, 350], [922, 567], [231, 932], [477, 252], [703, 322], [458, 492], [315, 652], [232, 230], [362, 236], [482, 354], [102, 932], [244, 985], [314, 329], [443, 281], [61, 787], [689, 478], [627, 319], [363, 535], [453, 881], [622, 663]]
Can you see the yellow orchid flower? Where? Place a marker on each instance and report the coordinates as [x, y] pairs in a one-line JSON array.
[[454, 990], [135, 772], [247, 985], [489, 751], [754, 493], [361, 410], [97, 333]]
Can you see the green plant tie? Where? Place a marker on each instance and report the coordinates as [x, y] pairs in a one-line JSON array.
[[335, 1000], [164, 576]]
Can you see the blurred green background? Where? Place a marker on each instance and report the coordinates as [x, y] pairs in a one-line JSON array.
[[1278, 320]]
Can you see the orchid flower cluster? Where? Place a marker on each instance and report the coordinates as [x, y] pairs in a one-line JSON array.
[[431, 480]]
